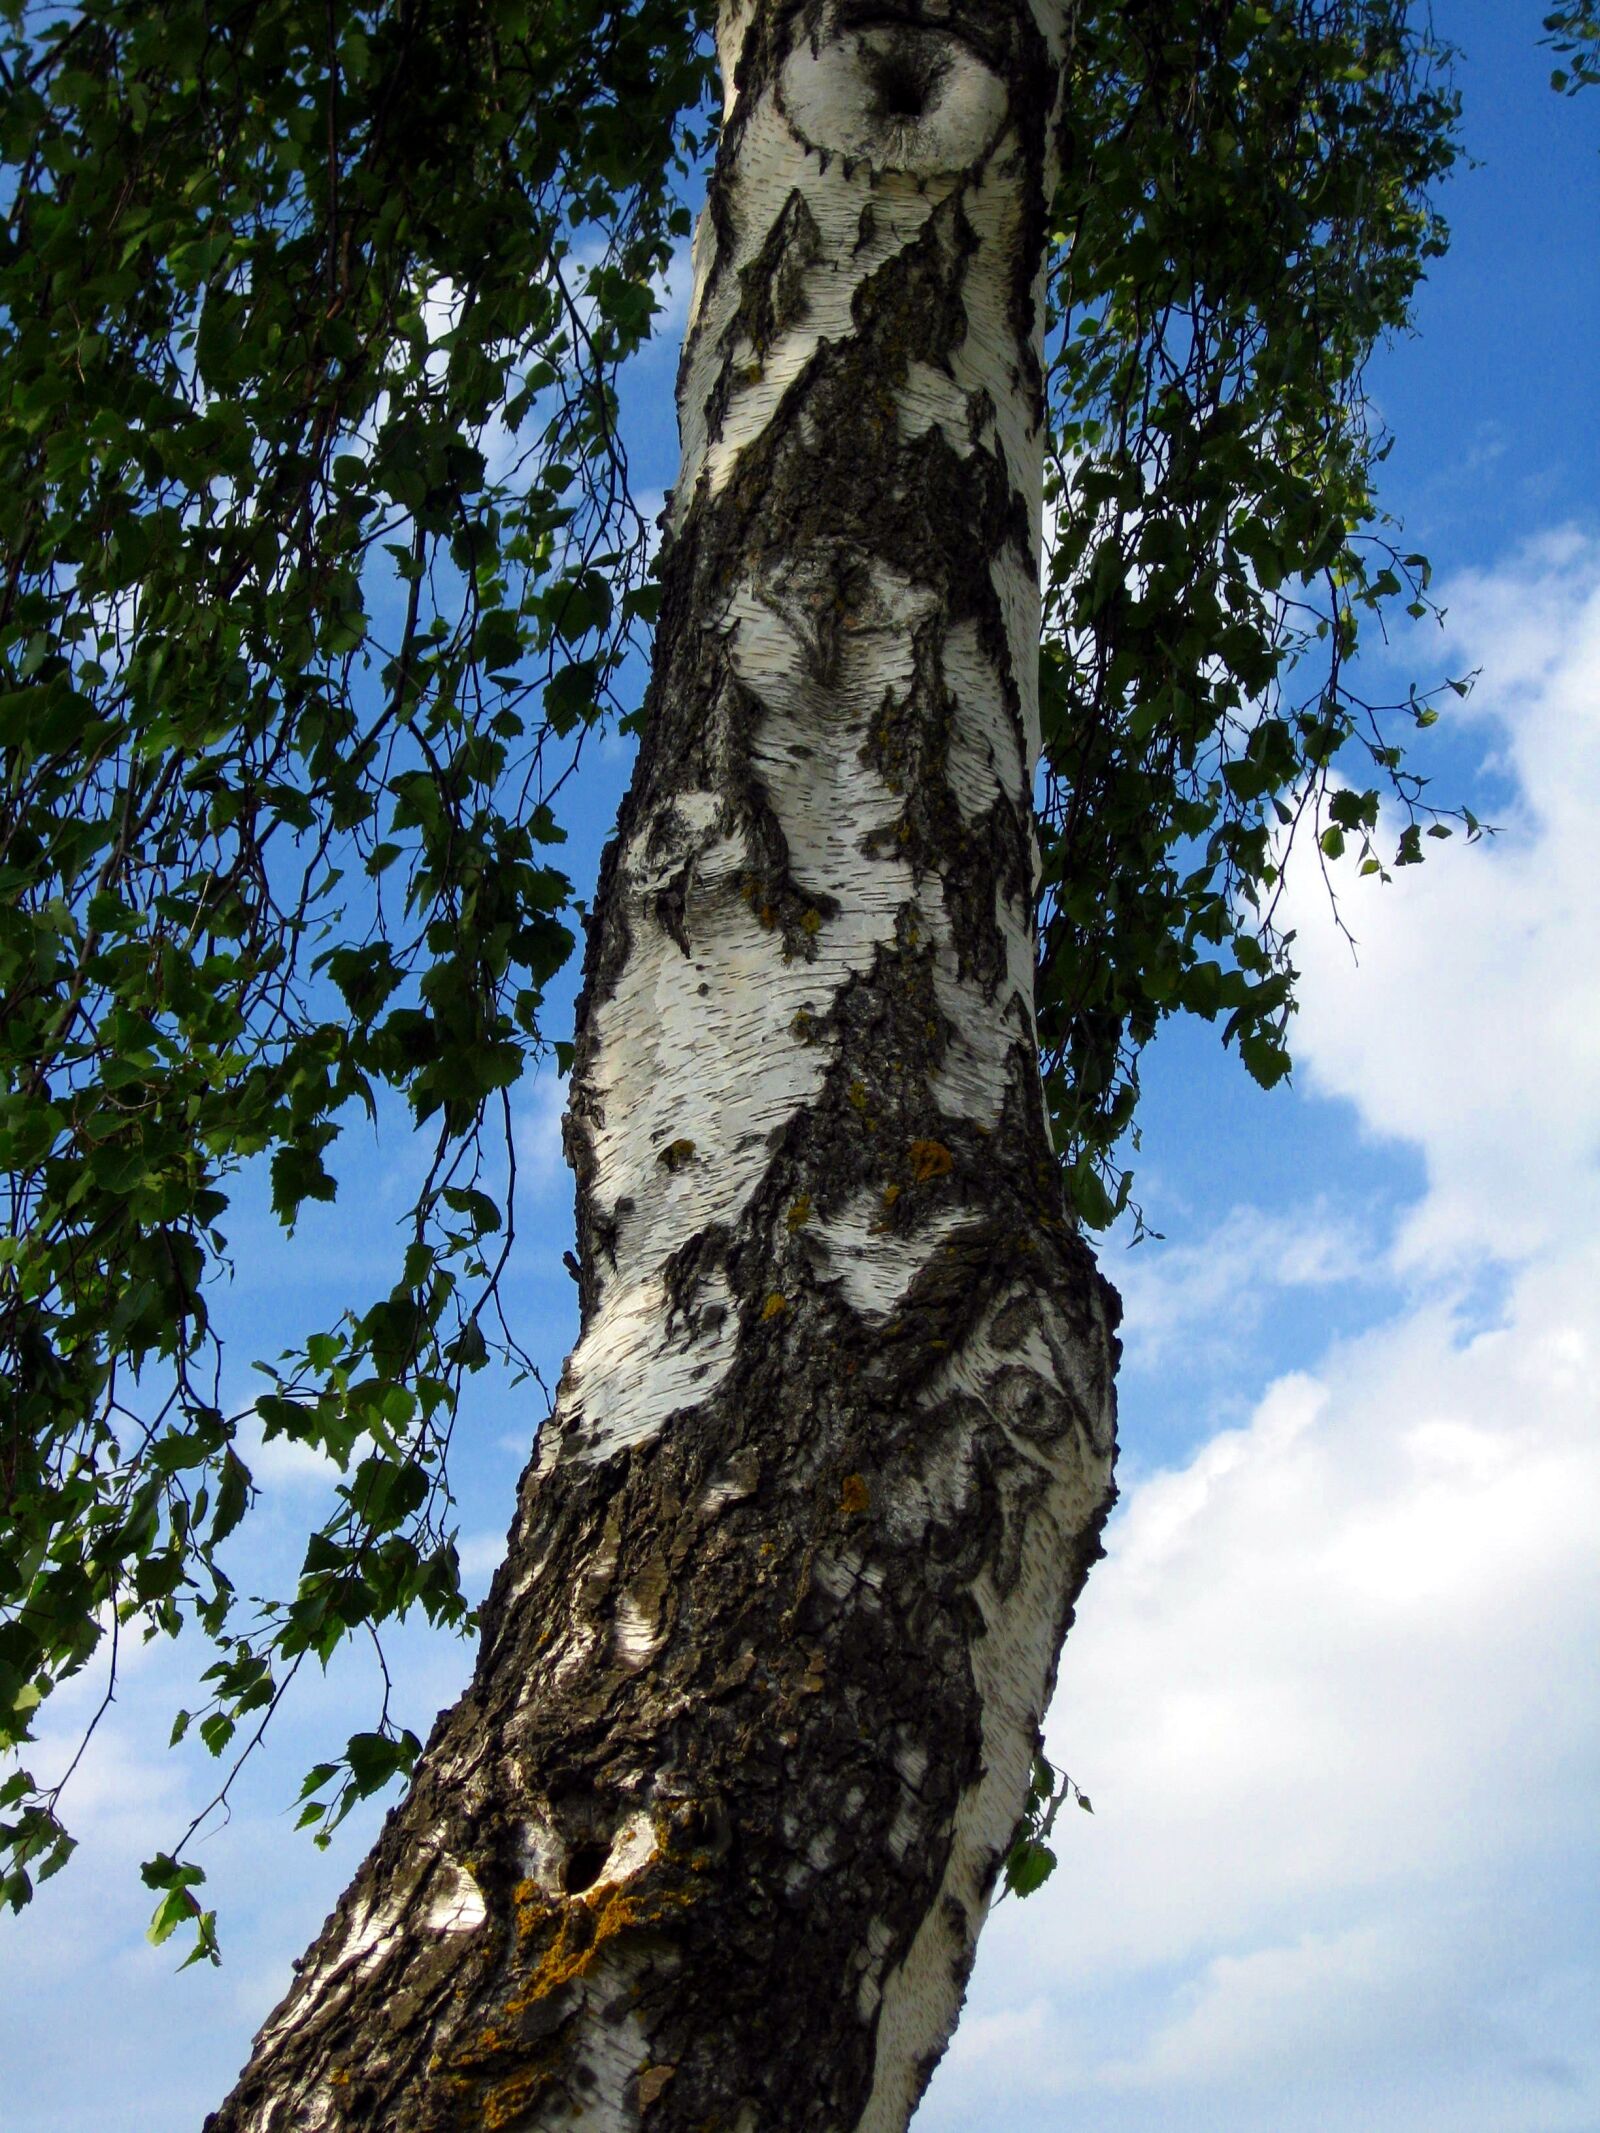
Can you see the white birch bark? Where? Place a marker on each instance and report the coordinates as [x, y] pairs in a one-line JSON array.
[[709, 1841]]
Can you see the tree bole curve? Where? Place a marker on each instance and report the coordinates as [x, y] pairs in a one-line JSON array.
[[708, 1841]]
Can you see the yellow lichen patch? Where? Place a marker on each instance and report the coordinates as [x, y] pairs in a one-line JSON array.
[[799, 1213], [532, 1907], [811, 921], [775, 1306], [855, 1496], [509, 2101], [675, 1154], [857, 1093], [570, 1954], [585, 1927], [652, 2080], [340, 2077], [891, 1193], [769, 916], [930, 1159], [490, 2043], [801, 1025]]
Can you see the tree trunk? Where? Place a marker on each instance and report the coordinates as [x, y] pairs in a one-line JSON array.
[[708, 1842]]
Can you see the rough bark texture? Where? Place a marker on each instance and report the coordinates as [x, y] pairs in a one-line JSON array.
[[706, 1846]]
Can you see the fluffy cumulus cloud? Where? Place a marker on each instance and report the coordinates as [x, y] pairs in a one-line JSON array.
[[1211, 1292], [1334, 1691], [1472, 1024], [99, 2033], [541, 1105]]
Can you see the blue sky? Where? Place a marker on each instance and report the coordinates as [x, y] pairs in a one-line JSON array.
[[1333, 1692]]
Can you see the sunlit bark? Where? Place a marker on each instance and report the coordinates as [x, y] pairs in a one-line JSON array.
[[708, 1842]]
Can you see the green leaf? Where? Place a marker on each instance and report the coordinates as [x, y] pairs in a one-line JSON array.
[[298, 1175], [234, 1488], [1029, 1865]]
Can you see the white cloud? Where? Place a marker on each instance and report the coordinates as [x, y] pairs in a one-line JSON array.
[[78, 1969], [1334, 1690], [1258, 2016], [481, 1554], [1331, 1648], [991, 2036], [1333, 1693], [1472, 1025], [541, 1104], [673, 290], [283, 1462], [1215, 1290]]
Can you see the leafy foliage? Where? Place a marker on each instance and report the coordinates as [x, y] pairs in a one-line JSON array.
[[1244, 213], [1031, 1859], [318, 563], [1573, 33]]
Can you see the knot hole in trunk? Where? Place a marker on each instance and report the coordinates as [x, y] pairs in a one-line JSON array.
[[895, 98], [904, 76], [585, 1864]]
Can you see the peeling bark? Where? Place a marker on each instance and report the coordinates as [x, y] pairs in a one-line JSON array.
[[708, 1842]]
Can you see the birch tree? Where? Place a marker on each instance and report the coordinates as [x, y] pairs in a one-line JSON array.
[[711, 1836], [929, 830]]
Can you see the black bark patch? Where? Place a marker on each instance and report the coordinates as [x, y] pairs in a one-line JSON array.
[[773, 286]]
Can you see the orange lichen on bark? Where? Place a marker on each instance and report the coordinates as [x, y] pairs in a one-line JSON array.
[[508, 2102], [532, 1907], [855, 1496], [584, 1928], [930, 1159]]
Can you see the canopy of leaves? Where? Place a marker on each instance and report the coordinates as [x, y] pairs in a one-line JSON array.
[[1245, 212], [318, 563], [317, 557], [1573, 34]]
